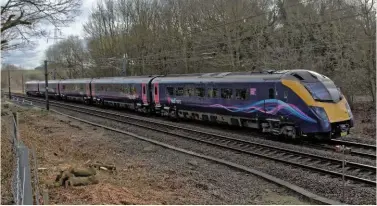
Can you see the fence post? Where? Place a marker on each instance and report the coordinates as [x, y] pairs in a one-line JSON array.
[[36, 180], [25, 176]]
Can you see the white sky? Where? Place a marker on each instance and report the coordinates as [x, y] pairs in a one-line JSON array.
[[31, 58]]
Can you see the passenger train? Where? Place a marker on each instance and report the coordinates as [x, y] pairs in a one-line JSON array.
[[292, 103]]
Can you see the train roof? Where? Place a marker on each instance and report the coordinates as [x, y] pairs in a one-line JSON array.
[[229, 77], [224, 77], [49, 82], [130, 79], [32, 82], [67, 81]]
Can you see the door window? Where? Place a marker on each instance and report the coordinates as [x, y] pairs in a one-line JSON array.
[[271, 94]]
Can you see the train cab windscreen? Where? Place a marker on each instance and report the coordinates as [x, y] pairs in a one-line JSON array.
[[324, 91]]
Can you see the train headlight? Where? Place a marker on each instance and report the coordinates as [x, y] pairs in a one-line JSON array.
[[349, 110], [321, 113]]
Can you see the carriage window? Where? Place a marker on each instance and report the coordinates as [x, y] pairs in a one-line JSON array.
[[241, 94], [212, 92], [271, 94], [189, 91], [143, 89], [155, 90], [226, 93], [199, 92], [170, 90], [179, 91], [125, 89]]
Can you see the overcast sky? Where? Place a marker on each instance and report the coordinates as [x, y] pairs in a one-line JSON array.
[[31, 58]]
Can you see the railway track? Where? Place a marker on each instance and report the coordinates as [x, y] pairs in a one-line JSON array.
[[356, 146], [357, 149], [355, 172]]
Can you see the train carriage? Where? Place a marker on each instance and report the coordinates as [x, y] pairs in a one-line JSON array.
[[126, 92], [53, 88], [75, 89], [296, 102], [32, 88]]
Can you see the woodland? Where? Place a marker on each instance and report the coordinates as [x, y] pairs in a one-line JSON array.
[[142, 37]]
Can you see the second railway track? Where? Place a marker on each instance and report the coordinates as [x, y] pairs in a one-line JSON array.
[[355, 172]]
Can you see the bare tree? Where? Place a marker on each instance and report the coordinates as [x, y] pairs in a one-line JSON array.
[[22, 19], [68, 57]]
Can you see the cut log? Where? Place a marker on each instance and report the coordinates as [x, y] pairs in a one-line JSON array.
[[80, 181], [84, 172]]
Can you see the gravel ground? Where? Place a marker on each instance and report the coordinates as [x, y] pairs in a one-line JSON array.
[[319, 184], [147, 174]]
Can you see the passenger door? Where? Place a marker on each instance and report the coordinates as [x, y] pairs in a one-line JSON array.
[[144, 93], [156, 94], [269, 99]]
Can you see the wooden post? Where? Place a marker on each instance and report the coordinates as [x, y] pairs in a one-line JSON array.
[[22, 79], [46, 82], [10, 95]]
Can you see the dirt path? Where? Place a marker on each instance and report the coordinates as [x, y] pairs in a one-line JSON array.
[[146, 174]]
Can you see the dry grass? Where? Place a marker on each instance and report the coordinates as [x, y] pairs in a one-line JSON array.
[[7, 161], [61, 143]]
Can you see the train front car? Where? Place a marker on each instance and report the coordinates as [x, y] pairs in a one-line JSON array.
[[324, 109], [292, 103]]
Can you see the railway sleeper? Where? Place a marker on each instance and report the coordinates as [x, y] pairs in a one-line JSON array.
[[314, 162]]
